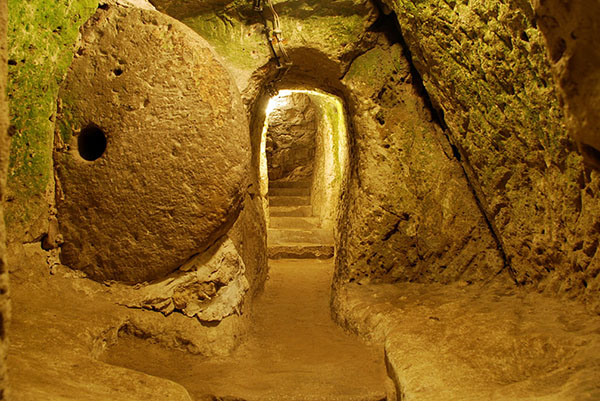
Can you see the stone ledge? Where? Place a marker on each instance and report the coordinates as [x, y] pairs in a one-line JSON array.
[[466, 342], [300, 251], [64, 324]]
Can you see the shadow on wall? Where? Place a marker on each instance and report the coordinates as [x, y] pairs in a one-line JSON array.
[[570, 30]]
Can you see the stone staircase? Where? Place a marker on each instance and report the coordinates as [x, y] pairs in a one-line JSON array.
[[294, 232]]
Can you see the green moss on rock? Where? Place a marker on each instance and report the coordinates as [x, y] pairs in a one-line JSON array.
[[485, 65], [237, 33], [41, 38], [332, 121], [242, 45], [373, 68]]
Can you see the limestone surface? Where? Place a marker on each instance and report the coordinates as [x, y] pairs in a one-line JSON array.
[[209, 287], [487, 71], [41, 45], [152, 147], [410, 214], [462, 342], [570, 30], [291, 138], [88, 317], [249, 235], [294, 352], [137, 3], [486, 68]]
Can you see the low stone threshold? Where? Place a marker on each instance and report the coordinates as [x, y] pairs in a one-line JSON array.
[[300, 251]]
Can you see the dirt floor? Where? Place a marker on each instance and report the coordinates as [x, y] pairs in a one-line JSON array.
[[71, 339], [68, 343], [294, 350]]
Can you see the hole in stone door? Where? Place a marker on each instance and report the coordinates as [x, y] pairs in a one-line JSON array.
[[303, 160], [91, 143]]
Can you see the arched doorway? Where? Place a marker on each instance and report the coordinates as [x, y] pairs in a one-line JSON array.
[[304, 156]]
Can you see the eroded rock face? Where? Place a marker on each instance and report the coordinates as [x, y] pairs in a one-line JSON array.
[[485, 65], [184, 8], [249, 235], [209, 287], [570, 30], [152, 147], [410, 214], [136, 3], [291, 138], [4, 141]]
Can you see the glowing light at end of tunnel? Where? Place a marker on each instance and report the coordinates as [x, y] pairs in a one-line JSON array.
[[334, 153], [277, 101]]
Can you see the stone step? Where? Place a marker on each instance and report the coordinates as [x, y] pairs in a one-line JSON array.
[[294, 222], [290, 184], [289, 200], [277, 236], [290, 211], [300, 191], [300, 251]]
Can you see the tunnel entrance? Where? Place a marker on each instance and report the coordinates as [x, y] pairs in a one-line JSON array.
[[291, 138], [304, 156], [291, 349]]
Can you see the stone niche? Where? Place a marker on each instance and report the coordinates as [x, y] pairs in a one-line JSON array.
[[152, 147], [291, 138]]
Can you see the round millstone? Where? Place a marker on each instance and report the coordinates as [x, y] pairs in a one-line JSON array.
[[152, 147]]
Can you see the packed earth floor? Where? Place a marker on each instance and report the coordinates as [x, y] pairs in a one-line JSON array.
[[69, 347], [75, 340], [294, 351]]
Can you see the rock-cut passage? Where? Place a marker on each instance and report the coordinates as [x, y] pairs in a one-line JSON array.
[[294, 231], [294, 351]]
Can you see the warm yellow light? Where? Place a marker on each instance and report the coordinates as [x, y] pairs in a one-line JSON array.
[[277, 101], [333, 152]]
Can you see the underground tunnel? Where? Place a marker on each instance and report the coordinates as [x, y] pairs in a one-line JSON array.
[[304, 156], [299, 200]]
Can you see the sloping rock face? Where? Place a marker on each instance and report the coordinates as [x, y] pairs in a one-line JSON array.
[[410, 214], [152, 148], [291, 138], [485, 68]]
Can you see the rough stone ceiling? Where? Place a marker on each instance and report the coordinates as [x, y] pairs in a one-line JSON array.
[[187, 8], [182, 9]]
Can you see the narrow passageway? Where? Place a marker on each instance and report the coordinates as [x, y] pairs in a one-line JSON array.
[[294, 230], [176, 175], [294, 351], [305, 151]]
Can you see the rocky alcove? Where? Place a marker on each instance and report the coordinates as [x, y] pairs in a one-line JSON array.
[[299, 200]]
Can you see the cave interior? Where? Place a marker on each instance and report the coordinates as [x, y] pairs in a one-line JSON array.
[[298, 200]]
